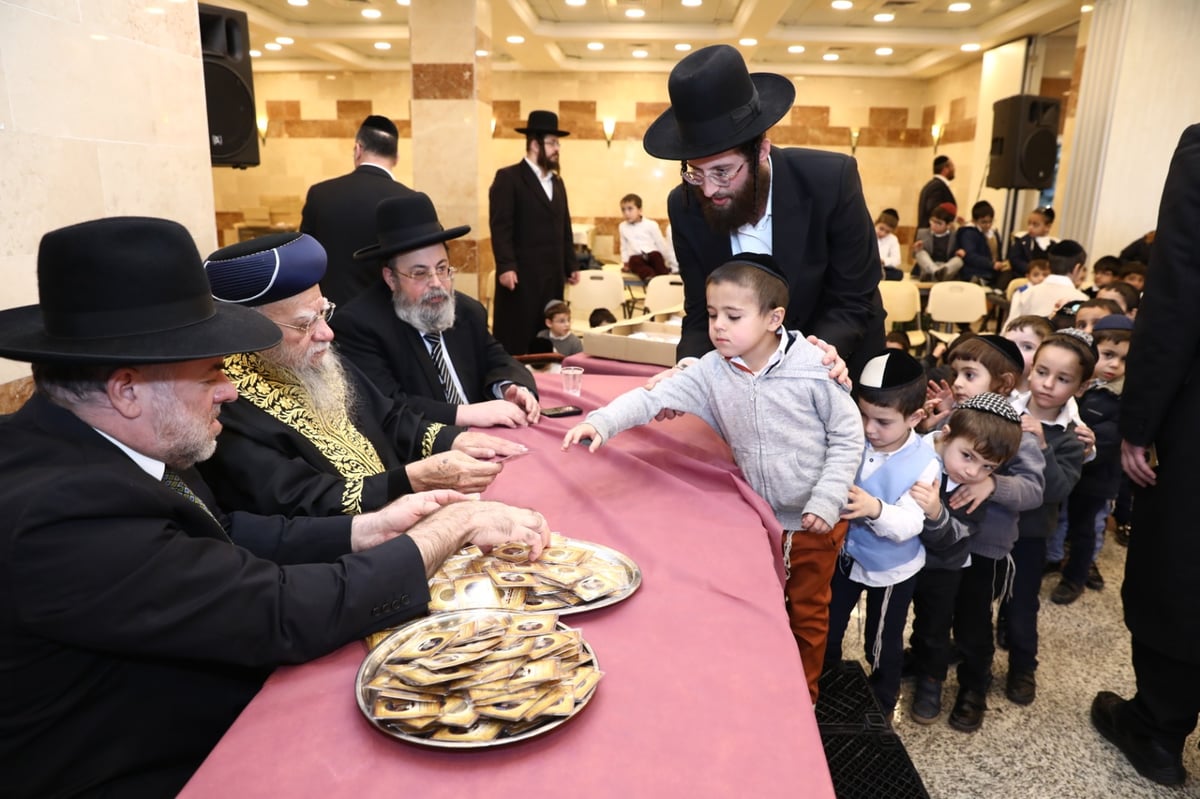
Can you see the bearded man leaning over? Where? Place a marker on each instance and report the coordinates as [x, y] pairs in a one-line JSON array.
[[309, 434]]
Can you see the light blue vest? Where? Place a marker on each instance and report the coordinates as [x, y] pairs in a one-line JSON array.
[[889, 483]]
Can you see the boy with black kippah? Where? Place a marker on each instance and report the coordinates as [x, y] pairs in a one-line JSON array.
[[794, 432], [883, 553]]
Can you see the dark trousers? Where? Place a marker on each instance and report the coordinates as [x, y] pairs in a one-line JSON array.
[[648, 265], [1167, 700], [1123, 510], [1020, 613], [885, 672], [933, 614], [973, 621], [1082, 510]]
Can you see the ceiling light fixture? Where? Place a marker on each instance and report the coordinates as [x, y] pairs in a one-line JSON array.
[[253, 53], [795, 48], [273, 46], [481, 53], [639, 53], [1086, 8], [298, 3], [285, 40], [403, 2], [841, 5], [958, 8], [383, 45], [883, 51], [683, 47], [885, 17], [831, 57], [748, 42], [970, 47], [372, 13], [635, 13], [577, 2], [596, 46], [691, 3], [515, 39]]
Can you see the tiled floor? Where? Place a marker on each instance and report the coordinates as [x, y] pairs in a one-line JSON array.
[[1048, 749]]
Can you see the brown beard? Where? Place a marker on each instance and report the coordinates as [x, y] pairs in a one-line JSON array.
[[545, 163], [746, 205]]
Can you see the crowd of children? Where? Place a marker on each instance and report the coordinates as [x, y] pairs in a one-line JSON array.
[[949, 478]]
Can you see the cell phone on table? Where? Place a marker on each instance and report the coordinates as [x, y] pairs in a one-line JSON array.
[[562, 410]]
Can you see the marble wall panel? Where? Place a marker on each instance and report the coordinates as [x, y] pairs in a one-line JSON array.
[[888, 117], [172, 26], [443, 81]]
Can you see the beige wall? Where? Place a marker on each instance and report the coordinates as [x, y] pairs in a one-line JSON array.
[[102, 113]]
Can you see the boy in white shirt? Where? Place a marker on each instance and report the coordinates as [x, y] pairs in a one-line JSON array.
[[644, 251]]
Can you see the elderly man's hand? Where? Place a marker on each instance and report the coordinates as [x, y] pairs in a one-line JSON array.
[[452, 469], [485, 445], [523, 398], [493, 413], [372, 529], [491, 524]]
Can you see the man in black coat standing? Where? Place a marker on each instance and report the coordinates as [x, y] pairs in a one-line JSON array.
[[531, 235], [740, 194], [937, 191], [340, 213], [1161, 435]]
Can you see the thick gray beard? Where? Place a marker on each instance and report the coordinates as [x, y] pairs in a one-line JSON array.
[[425, 318], [331, 395], [745, 208]]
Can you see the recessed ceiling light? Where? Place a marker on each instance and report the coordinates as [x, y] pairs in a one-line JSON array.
[[842, 5], [883, 51], [402, 2], [748, 42], [885, 17], [1085, 8], [372, 13], [795, 48], [577, 2], [298, 3], [285, 40], [383, 45], [958, 8], [596, 46], [831, 56], [515, 39], [683, 47], [640, 54], [635, 13], [690, 3], [273, 46], [970, 47], [256, 53], [481, 54]]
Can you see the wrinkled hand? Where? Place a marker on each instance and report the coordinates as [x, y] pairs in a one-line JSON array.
[[1087, 436], [508, 279], [837, 367], [972, 496], [665, 413], [928, 496], [523, 398], [860, 504], [1136, 463], [814, 523], [485, 445], [578, 433], [1031, 425], [493, 524], [493, 413], [452, 469], [372, 529]]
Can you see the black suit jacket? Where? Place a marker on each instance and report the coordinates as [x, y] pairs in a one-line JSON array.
[[531, 234], [933, 194], [823, 240], [394, 357], [340, 213], [263, 465], [132, 632], [1158, 406]]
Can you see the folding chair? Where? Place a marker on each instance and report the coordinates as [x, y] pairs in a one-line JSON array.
[[597, 288], [664, 295], [902, 303], [1014, 286], [954, 303]]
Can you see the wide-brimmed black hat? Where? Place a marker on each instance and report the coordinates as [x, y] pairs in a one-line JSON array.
[[543, 122], [716, 104], [126, 290], [407, 223]]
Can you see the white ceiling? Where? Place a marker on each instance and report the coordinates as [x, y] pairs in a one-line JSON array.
[[925, 36]]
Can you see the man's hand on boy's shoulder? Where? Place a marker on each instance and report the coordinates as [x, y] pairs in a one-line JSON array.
[[837, 367]]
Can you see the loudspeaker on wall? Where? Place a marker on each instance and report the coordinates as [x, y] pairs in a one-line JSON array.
[[1024, 142], [228, 87]]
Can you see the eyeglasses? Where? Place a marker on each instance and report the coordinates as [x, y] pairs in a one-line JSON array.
[[721, 177], [325, 313], [425, 275]]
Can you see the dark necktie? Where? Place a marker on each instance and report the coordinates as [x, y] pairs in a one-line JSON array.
[[175, 481], [443, 367]]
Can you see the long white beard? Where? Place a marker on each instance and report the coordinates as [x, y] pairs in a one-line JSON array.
[[330, 393]]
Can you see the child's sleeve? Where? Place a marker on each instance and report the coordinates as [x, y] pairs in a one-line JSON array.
[[683, 391], [626, 244], [905, 519], [1019, 483], [1064, 464], [843, 448], [942, 533]]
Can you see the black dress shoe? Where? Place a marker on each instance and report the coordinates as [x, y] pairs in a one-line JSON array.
[[1052, 567], [1151, 759], [1021, 687], [1121, 534], [927, 700], [1066, 592], [967, 715], [1095, 580]]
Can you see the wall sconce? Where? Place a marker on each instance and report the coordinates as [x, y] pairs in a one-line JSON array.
[[493, 127], [853, 140], [263, 125], [936, 130], [610, 127]]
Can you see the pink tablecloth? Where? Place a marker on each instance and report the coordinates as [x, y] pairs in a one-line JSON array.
[[703, 696], [607, 366]]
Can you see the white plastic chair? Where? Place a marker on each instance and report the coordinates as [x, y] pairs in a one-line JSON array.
[[597, 288], [664, 295], [955, 303], [902, 303]]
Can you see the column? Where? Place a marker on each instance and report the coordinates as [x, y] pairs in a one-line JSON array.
[[451, 117]]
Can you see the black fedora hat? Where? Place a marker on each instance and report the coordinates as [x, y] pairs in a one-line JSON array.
[[407, 223], [126, 290], [716, 104], [544, 122]]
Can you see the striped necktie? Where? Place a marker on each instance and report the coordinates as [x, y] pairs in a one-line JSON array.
[[443, 367], [175, 482]]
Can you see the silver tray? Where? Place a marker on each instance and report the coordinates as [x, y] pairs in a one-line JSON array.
[[633, 580], [375, 659]]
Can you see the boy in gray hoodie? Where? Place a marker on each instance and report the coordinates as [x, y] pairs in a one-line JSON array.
[[795, 433]]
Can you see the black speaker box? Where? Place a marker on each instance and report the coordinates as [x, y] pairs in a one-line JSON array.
[[1024, 142], [228, 87]]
